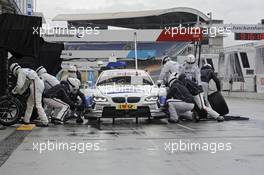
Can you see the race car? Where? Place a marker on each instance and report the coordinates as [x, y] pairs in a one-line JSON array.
[[126, 93]]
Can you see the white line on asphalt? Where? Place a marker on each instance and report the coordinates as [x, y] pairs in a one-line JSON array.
[[186, 127], [152, 149]]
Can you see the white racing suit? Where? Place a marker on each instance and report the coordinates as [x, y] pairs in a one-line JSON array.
[[192, 72], [169, 68], [205, 86], [199, 101], [28, 78], [49, 80]]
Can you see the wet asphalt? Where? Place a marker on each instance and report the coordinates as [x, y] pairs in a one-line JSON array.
[[128, 148]]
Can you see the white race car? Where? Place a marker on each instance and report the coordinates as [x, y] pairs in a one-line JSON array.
[[127, 93]]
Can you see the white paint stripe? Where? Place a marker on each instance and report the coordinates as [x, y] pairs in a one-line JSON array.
[[186, 127]]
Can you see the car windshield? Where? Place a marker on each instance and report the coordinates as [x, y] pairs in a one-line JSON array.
[[124, 80]]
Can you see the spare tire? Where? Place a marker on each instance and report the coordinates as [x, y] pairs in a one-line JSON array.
[[218, 103]]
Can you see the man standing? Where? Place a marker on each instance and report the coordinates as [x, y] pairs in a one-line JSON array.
[[207, 74], [191, 70], [168, 67]]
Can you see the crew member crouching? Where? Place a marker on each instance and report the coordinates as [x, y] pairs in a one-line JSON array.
[[58, 97], [180, 101], [197, 93], [27, 78]]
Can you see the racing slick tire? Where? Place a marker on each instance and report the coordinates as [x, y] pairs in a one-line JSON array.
[[10, 110], [218, 103]]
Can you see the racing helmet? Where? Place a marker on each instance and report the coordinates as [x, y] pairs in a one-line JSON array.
[[190, 59], [174, 76], [165, 59], [207, 65], [41, 70], [14, 67], [74, 84], [72, 69]]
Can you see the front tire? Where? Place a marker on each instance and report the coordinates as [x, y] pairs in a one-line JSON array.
[[10, 110]]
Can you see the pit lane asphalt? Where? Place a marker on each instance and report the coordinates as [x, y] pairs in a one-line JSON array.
[[127, 148]]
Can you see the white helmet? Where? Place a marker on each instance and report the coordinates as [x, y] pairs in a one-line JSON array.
[[190, 59], [72, 69], [41, 70], [165, 59], [207, 65], [74, 83], [100, 63], [174, 76], [14, 67]]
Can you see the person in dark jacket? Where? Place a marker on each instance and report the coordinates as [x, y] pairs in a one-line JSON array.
[[197, 93], [58, 97], [79, 99], [180, 101], [208, 74]]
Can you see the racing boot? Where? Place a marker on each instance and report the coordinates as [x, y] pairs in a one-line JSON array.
[[220, 119], [173, 120], [42, 125]]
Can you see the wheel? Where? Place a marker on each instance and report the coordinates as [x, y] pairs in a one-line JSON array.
[[10, 110], [218, 103]]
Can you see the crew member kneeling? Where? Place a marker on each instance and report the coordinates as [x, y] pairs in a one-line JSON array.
[[179, 99], [58, 97], [197, 93]]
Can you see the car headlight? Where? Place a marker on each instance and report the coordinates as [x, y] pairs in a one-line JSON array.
[[99, 99], [151, 98]]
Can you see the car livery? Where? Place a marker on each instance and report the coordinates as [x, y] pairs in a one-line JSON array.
[[126, 93]]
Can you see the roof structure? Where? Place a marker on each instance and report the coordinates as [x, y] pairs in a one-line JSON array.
[[149, 19]]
